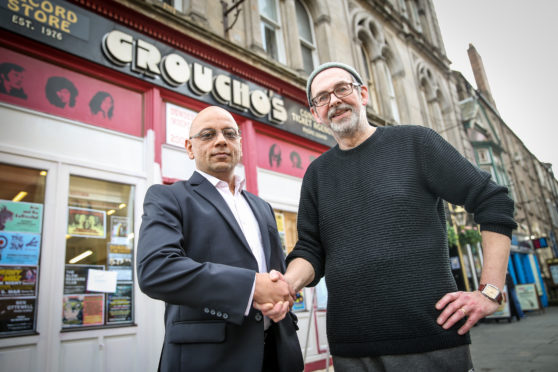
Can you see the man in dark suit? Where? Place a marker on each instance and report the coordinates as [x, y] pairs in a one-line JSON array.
[[205, 248]]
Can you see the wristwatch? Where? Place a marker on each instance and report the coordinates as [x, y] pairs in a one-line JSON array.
[[491, 292]]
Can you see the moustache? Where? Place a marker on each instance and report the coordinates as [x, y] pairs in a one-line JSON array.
[[333, 110]]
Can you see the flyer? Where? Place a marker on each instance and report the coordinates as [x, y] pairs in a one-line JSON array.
[[120, 259], [123, 273], [101, 281], [75, 278], [21, 217], [82, 310], [93, 310], [18, 281], [19, 249], [86, 222], [17, 315], [119, 230], [300, 302], [119, 304]]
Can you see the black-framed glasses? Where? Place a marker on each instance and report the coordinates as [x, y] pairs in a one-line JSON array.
[[340, 91], [209, 134]]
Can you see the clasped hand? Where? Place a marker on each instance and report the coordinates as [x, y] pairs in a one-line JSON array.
[[273, 295]]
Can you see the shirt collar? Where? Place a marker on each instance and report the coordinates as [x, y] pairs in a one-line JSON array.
[[239, 181]]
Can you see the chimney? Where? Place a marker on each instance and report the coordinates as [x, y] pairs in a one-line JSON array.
[[480, 74]]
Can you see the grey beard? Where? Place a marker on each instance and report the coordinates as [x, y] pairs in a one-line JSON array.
[[346, 127]]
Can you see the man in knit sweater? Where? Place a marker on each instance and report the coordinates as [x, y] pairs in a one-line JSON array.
[[371, 220]]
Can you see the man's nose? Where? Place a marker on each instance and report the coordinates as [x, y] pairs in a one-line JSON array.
[[220, 137], [333, 99]]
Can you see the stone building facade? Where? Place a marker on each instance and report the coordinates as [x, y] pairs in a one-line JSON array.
[[136, 72]]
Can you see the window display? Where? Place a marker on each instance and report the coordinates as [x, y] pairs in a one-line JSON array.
[[98, 280], [22, 193]]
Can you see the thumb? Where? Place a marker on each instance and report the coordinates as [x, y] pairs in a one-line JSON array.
[[275, 275]]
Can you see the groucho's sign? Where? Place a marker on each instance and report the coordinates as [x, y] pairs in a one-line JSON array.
[[145, 58], [85, 34]]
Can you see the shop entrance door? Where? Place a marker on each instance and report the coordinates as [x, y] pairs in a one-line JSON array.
[[67, 281]]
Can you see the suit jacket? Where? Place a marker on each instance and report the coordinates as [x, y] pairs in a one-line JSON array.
[[193, 255]]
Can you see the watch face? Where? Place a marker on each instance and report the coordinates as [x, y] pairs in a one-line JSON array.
[[491, 291]]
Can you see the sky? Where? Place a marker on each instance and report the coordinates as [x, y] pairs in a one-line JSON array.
[[517, 41]]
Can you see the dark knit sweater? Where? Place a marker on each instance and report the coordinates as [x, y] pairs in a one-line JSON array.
[[371, 219]]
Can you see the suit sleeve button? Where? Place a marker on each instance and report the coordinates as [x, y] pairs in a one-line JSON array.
[[225, 316], [258, 317], [212, 312], [219, 314], [206, 310]]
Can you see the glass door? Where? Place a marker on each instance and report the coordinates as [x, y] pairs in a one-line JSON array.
[[22, 200], [98, 265]]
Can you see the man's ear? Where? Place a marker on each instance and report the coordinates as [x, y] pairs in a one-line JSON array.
[[315, 114], [188, 146], [364, 94]]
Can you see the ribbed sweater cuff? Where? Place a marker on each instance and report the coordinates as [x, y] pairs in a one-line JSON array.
[[500, 229], [318, 273]]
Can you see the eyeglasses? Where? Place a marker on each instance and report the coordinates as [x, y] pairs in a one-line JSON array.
[[210, 134], [340, 91]]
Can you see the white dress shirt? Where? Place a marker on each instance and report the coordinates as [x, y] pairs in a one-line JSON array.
[[246, 220]]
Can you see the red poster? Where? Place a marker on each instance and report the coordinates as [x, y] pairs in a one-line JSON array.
[[25, 81], [283, 157]]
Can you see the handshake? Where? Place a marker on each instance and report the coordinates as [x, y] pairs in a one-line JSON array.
[[273, 295]]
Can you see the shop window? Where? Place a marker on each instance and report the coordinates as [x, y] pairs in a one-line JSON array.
[[98, 272], [22, 197]]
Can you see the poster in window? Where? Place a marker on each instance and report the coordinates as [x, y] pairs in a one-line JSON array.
[[120, 260], [75, 278], [123, 273], [119, 230], [300, 302], [82, 310], [19, 249], [21, 217], [18, 281], [17, 315], [85, 222], [119, 304], [280, 220]]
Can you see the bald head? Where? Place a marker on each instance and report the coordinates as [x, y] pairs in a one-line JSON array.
[[211, 114], [214, 143]]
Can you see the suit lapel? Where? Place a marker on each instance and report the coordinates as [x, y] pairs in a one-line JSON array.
[[260, 217], [207, 191]]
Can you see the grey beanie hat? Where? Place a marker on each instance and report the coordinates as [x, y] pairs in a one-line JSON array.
[[325, 66]]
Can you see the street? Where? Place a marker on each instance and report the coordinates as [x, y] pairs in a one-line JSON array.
[[528, 345]]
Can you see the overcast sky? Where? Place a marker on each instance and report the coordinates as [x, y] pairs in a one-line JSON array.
[[517, 40]]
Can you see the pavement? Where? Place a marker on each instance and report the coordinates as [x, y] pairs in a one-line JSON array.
[[528, 345]]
